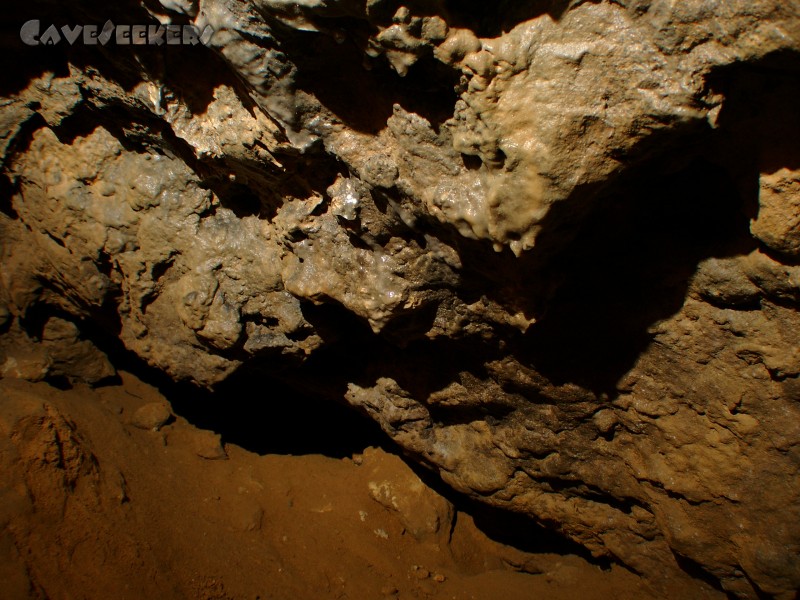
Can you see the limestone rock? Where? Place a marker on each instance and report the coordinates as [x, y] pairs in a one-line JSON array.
[[778, 222], [550, 247], [208, 445], [421, 511], [152, 416]]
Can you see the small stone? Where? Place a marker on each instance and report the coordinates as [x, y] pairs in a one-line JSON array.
[[778, 221], [248, 518], [208, 445], [420, 510], [439, 578], [420, 572], [152, 416], [605, 420], [30, 365]]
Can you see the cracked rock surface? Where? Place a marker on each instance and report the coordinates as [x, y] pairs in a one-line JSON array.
[[551, 248]]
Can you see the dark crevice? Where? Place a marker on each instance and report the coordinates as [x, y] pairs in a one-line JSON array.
[[696, 571], [22, 141], [256, 411], [159, 270], [35, 318], [472, 163], [130, 130], [253, 408], [26, 63], [7, 191], [608, 435], [612, 287], [261, 320], [410, 327], [55, 239], [524, 533], [580, 489], [513, 529], [362, 91], [760, 594], [102, 324], [279, 419], [780, 257], [790, 303], [299, 336], [243, 202], [60, 382], [104, 263], [147, 300], [461, 414], [674, 495]]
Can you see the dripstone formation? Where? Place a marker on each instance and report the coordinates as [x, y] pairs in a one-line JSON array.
[[552, 248]]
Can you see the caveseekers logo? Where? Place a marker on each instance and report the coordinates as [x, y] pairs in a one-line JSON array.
[[122, 35]]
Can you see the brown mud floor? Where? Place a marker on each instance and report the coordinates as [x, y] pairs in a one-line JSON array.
[[102, 499]]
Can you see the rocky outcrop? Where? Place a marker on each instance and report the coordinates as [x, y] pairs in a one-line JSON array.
[[551, 247]]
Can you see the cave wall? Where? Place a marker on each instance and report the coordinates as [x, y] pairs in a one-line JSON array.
[[552, 248]]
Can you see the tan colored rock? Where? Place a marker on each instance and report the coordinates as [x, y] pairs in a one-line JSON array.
[[526, 244], [152, 416], [208, 445], [423, 513], [778, 222]]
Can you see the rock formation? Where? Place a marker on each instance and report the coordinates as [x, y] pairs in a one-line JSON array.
[[551, 247]]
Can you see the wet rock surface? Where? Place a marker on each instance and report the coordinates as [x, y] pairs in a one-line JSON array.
[[550, 247]]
